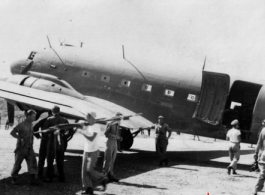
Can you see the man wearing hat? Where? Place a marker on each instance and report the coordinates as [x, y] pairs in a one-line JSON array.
[[234, 136], [260, 156], [90, 177], [23, 132], [113, 134], [161, 141]]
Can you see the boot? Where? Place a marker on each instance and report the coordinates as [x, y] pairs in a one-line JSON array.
[[33, 180], [88, 191], [14, 181], [112, 178]]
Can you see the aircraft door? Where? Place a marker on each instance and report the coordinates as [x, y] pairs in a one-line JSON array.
[[258, 112], [214, 92]]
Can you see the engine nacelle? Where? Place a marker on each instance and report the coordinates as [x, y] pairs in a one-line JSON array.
[[45, 85]]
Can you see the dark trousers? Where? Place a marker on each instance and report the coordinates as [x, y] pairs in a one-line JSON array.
[[42, 156], [161, 147], [56, 153]]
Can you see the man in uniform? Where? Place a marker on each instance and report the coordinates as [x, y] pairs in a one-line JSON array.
[[23, 132], [55, 148], [90, 177], [234, 136], [163, 133], [113, 135], [260, 156], [43, 143]]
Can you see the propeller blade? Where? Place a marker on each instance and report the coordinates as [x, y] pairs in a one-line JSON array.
[[26, 69], [11, 113]]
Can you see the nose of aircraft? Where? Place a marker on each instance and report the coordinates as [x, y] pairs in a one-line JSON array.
[[16, 66]]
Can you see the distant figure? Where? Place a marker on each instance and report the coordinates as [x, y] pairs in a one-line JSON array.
[[55, 148], [43, 144], [260, 157], [234, 136], [7, 125], [163, 133], [197, 137], [23, 132], [113, 135], [90, 176]]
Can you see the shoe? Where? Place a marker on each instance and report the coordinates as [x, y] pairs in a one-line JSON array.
[[234, 172], [166, 162], [14, 181], [33, 181], [161, 163], [229, 170], [88, 191], [112, 179], [104, 184]]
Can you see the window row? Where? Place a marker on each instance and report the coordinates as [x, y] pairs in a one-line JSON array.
[[127, 83]]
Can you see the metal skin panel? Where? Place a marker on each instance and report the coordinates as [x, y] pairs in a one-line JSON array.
[[259, 112], [215, 88]]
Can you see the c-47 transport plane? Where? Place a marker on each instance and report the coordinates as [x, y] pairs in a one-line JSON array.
[[192, 101]]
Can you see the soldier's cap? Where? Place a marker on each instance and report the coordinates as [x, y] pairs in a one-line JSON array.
[[118, 114], [234, 122], [56, 109], [93, 114], [160, 117], [30, 112]]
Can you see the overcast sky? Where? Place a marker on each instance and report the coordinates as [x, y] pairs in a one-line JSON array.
[[229, 33]]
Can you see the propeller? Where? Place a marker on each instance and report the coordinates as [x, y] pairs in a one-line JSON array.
[[26, 69], [11, 113]]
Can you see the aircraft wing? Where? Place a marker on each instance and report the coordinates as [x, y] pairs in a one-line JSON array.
[[69, 106]]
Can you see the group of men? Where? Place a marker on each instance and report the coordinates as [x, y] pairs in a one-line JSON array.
[[53, 145], [234, 136]]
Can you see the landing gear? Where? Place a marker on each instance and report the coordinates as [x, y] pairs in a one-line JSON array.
[[127, 141]]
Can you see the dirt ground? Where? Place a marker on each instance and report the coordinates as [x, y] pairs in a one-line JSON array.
[[195, 168]]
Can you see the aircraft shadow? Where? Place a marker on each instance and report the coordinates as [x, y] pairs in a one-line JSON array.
[[127, 165]]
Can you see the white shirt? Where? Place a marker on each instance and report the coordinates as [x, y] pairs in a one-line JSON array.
[[92, 146], [233, 135]]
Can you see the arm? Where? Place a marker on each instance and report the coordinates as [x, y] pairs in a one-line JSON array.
[[14, 133], [86, 135], [169, 132]]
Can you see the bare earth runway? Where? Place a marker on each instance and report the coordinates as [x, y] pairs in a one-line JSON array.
[[195, 168]]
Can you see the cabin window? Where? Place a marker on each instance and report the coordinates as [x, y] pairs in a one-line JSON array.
[[169, 92], [147, 87], [125, 83], [85, 74], [105, 78]]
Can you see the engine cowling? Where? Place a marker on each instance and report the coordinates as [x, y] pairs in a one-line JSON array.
[[45, 85]]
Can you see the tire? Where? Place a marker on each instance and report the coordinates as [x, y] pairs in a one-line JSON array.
[[127, 141]]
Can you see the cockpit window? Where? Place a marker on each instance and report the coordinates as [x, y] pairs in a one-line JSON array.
[[32, 55]]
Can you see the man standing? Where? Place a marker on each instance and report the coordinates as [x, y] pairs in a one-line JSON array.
[[260, 156], [113, 135], [234, 136], [24, 150], [163, 133], [55, 148], [43, 143], [90, 176]]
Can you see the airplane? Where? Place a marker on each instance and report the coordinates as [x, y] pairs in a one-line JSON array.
[[195, 101]]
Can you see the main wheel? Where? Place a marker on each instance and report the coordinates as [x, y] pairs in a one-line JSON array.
[[127, 141]]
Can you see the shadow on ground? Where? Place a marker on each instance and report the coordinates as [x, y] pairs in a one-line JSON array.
[[127, 165]]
